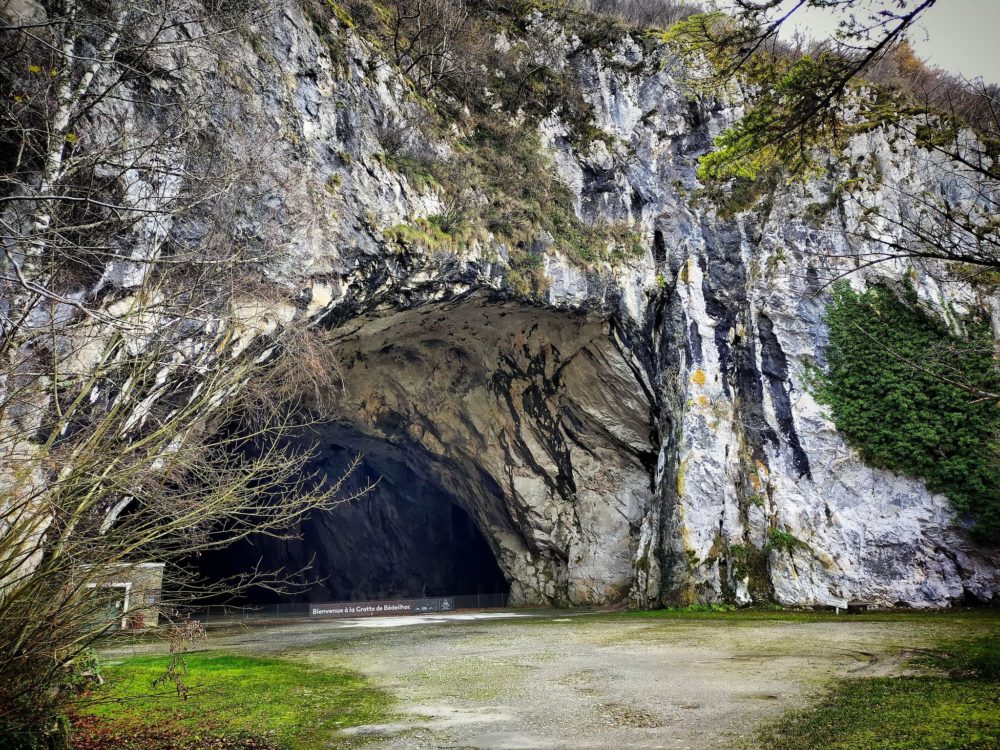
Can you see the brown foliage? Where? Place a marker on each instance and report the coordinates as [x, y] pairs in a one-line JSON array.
[[93, 733]]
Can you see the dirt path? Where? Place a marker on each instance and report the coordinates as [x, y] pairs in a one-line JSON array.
[[553, 681]]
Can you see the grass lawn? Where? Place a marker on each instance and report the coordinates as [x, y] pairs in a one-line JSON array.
[[234, 702], [952, 702], [980, 620]]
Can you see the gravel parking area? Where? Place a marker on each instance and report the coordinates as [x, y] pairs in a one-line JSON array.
[[552, 680]]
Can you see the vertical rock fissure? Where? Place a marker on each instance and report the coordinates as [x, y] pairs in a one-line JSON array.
[[774, 366]]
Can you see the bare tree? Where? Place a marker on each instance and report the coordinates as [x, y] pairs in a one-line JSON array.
[[934, 227], [145, 396], [439, 45], [809, 99], [641, 13], [427, 40]]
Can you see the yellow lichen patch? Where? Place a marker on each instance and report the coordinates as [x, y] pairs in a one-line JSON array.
[[762, 471], [759, 477], [687, 596], [681, 468], [698, 377], [704, 401], [718, 548], [826, 561]]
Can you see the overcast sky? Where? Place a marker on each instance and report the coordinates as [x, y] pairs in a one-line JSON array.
[[962, 36]]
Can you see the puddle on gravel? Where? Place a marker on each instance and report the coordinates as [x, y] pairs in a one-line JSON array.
[[437, 718]]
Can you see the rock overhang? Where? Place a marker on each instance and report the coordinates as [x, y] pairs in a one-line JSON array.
[[533, 417]]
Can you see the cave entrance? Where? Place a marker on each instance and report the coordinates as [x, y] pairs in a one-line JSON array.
[[409, 537], [513, 450]]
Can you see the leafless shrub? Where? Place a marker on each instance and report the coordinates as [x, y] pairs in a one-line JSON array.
[[131, 245], [430, 40], [405, 135], [181, 636], [641, 13], [973, 102], [438, 44]]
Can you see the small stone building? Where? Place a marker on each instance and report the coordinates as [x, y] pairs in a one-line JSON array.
[[136, 590]]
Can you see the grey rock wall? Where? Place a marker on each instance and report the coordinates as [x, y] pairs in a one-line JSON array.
[[637, 433]]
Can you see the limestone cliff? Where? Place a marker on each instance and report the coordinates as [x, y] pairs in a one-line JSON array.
[[631, 430]]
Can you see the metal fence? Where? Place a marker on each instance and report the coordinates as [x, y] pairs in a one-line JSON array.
[[481, 601], [300, 610]]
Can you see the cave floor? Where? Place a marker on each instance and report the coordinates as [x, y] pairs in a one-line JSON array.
[[629, 680]]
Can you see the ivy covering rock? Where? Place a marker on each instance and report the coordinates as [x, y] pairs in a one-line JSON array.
[[911, 395]]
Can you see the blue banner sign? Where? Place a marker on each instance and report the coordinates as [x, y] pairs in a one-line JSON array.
[[383, 608]]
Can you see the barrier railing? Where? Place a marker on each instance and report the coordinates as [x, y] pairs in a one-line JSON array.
[[295, 610]]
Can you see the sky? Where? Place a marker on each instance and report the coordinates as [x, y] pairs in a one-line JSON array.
[[961, 36]]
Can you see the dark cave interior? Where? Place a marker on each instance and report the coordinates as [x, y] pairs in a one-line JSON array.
[[408, 537]]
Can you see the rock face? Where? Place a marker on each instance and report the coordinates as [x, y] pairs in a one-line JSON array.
[[538, 423], [635, 433]]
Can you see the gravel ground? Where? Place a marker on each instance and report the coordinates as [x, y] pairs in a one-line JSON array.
[[549, 680]]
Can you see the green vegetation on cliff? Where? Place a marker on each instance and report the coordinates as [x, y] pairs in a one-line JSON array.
[[910, 395], [481, 85], [501, 181]]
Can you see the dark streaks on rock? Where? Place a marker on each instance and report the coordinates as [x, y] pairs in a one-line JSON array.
[[775, 369]]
